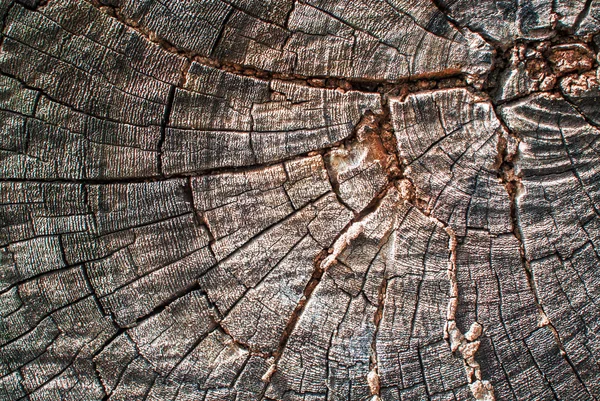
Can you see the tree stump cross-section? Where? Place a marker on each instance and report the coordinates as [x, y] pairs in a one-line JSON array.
[[299, 200]]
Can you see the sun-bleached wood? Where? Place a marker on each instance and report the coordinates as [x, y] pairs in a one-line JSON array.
[[299, 200]]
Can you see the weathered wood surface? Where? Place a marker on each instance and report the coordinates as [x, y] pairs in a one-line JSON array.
[[299, 200]]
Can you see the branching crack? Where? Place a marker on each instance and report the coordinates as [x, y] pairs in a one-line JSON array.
[[465, 344], [314, 280], [383, 142], [322, 262], [512, 182], [404, 85]]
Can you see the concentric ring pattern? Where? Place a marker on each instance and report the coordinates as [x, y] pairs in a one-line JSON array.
[[299, 200]]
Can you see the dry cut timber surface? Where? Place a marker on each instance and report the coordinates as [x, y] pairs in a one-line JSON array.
[[299, 200]]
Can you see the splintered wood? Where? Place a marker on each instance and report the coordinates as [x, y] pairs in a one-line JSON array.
[[299, 200]]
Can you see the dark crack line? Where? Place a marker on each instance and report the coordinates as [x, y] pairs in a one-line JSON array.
[[333, 82], [163, 128], [373, 378], [314, 281], [582, 15], [318, 271], [512, 188], [185, 175]]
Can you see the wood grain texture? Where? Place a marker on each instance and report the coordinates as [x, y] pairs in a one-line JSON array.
[[299, 200]]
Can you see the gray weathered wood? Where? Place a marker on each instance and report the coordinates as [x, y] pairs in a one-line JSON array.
[[299, 200]]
